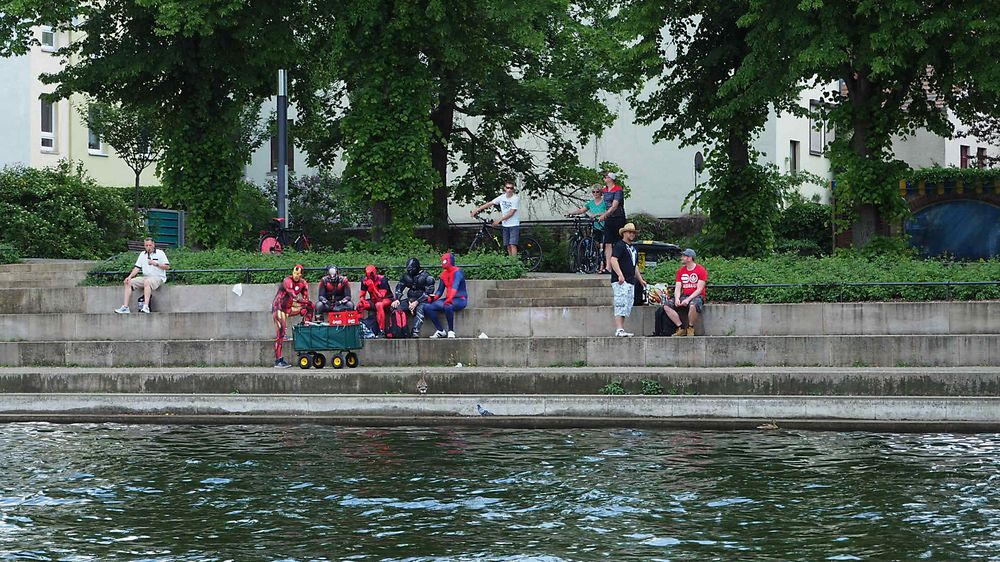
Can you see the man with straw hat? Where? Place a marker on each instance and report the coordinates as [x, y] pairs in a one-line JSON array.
[[624, 277]]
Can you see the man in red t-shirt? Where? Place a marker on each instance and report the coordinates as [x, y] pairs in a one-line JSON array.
[[689, 293]]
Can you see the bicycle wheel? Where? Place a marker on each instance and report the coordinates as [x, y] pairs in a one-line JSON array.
[[478, 245], [587, 257], [269, 244], [574, 254], [530, 253], [302, 243]]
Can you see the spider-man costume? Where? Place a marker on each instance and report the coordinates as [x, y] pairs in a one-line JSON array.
[[375, 294], [451, 294], [292, 299]]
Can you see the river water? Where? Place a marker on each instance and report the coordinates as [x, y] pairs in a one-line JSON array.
[[298, 493]]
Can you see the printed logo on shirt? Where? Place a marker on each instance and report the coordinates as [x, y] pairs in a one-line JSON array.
[[689, 278]]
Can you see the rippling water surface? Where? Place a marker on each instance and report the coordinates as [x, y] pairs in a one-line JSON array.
[[297, 493]]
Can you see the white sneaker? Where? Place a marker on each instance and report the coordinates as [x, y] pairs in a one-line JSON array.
[[451, 334], [620, 333], [438, 334], [122, 310], [144, 309]]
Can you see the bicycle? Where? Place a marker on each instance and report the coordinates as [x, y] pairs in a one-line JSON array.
[[487, 239], [274, 240], [585, 253]]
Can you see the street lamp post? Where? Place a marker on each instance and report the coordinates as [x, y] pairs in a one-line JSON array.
[[283, 145]]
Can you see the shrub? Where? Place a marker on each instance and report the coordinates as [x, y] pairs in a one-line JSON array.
[[9, 254], [60, 213], [830, 278], [477, 266], [804, 227]]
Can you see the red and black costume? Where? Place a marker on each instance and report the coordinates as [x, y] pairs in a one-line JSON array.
[[292, 299], [375, 294], [334, 293]]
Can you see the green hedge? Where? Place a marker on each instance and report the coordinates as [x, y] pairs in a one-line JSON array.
[[489, 266], [968, 176], [9, 254], [60, 213], [822, 275]]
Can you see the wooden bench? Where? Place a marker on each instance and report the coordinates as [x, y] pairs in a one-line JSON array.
[[136, 245]]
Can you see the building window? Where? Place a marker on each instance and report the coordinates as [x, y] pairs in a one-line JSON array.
[[963, 156], [793, 156], [980, 157], [48, 39], [817, 143], [291, 150], [94, 145], [48, 128]]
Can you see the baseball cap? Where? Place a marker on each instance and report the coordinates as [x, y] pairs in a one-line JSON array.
[[612, 175], [689, 253]]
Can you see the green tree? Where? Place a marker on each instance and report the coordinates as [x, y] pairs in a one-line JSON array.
[[494, 88], [902, 65], [686, 54], [132, 132], [202, 67]]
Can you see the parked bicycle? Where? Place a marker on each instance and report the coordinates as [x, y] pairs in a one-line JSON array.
[[585, 254], [488, 240], [277, 238]]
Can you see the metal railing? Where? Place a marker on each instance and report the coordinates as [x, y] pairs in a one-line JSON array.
[[248, 272]]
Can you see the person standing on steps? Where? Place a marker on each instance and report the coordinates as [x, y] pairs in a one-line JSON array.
[[614, 216], [153, 264], [595, 208], [418, 286], [450, 297], [625, 275], [292, 299], [689, 293], [510, 218]]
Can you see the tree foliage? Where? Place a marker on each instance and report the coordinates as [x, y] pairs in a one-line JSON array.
[[903, 65], [491, 89]]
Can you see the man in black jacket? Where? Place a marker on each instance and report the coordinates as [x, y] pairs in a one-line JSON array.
[[625, 275], [418, 285]]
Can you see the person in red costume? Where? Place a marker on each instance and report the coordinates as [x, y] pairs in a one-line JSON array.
[[375, 294], [450, 296], [292, 300]]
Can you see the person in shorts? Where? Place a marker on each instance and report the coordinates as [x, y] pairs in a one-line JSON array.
[[689, 293], [594, 208], [614, 216], [153, 264], [625, 275], [509, 203]]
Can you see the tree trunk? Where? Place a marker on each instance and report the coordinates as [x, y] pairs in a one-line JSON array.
[[135, 197], [868, 216], [443, 118], [381, 219]]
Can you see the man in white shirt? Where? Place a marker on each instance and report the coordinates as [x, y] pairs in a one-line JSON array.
[[509, 202], [153, 264]]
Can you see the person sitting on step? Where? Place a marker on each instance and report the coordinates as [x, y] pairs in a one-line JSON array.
[[689, 293], [450, 297], [419, 286], [153, 264], [334, 293], [375, 295]]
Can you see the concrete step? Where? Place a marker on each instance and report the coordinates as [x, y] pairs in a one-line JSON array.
[[669, 381], [569, 281], [41, 279], [49, 265], [595, 293], [505, 321], [528, 302], [707, 351]]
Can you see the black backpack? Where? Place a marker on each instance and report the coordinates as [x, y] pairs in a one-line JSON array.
[[397, 325]]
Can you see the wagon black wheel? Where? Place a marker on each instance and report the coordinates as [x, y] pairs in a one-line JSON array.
[[337, 361], [319, 360], [304, 361], [352, 359]]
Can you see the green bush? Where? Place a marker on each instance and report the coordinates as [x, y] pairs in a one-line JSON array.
[[477, 266], [60, 213], [322, 206], [828, 279], [804, 227], [9, 254]]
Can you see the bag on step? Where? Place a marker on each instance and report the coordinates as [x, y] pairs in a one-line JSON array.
[[369, 328], [397, 327]]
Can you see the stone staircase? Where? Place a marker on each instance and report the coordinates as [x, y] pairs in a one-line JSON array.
[[44, 273], [541, 322]]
